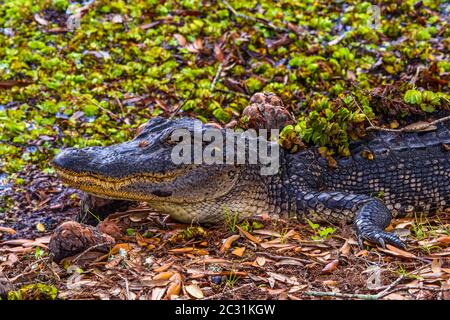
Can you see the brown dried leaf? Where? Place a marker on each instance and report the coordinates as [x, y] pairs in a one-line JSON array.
[[405, 224], [218, 53], [281, 277], [176, 277], [191, 48], [228, 242], [173, 289], [18, 250], [266, 245], [189, 250], [6, 84], [443, 240], [113, 263], [238, 251], [182, 250], [268, 232], [12, 259], [436, 265], [158, 293], [163, 275], [329, 283], [138, 217], [345, 249], [289, 262], [43, 240], [181, 39], [16, 242], [40, 20], [397, 252], [198, 44], [362, 253], [164, 267], [274, 291], [395, 296], [7, 230], [248, 235], [148, 282], [117, 247], [261, 261], [201, 252], [194, 291], [331, 267]]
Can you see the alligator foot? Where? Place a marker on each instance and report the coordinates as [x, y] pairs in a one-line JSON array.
[[94, 209], [372, 216], [370, 223]]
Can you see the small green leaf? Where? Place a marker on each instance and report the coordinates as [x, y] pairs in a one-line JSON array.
[[413, 97]]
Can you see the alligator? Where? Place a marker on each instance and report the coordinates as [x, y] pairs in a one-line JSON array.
[[388, 174]]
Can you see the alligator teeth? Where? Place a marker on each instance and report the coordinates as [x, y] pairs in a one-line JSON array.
[[102, 183]]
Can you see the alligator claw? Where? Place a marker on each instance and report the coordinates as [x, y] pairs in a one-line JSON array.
[[380, 237], [370, 223]]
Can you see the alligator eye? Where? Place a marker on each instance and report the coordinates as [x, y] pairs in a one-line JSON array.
[[171, 139], [162, 193]]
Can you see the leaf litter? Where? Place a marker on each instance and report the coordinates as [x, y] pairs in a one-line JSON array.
[[218, 264]]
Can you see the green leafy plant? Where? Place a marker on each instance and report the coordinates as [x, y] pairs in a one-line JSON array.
[[232, 279], [36, 291], [39, 253], [321, 233], [231, 219]]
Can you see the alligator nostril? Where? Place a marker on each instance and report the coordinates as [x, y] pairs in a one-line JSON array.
[[162, 193]]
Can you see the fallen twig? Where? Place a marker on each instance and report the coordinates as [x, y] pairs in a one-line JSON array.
[[389, 287], [415, 127], [377, 296], [89, 250], [381, 295], [341, 295], [127, 287], [216, 77], [275, 257], [362, 111]]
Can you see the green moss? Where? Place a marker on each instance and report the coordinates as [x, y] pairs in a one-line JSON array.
[[37, 291]]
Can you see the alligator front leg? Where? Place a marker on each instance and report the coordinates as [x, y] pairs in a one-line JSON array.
[[369, 215], [94, 209]]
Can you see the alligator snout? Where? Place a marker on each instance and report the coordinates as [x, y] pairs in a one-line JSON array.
[[73, 159]]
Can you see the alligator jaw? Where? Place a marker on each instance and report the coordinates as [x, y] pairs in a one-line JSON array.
[[113, 188]]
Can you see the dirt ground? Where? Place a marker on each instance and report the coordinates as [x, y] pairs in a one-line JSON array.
[[260, 258]]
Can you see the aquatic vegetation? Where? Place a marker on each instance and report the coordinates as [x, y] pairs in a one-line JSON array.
[[81, 74]]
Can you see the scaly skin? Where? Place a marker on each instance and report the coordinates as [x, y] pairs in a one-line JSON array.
[[409, 173]]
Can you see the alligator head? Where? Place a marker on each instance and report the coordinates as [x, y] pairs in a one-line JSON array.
[[143, 169]]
